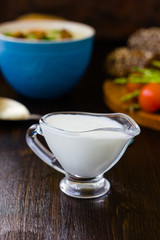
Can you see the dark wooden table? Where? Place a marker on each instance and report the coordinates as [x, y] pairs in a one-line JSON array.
[[31, 203]]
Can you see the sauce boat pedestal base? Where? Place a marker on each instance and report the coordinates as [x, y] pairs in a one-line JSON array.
[[84, 187]]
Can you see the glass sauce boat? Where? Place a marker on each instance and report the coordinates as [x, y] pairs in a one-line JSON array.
[[83, 156]]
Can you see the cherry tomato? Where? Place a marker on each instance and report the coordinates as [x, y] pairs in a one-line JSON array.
[[149, 97]]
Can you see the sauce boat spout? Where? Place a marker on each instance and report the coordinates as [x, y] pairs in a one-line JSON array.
[[129, 126]]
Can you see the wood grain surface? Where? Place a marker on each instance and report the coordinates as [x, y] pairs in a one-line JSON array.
[[32, 207]]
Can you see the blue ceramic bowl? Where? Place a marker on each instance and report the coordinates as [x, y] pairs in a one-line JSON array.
[[44, 69]]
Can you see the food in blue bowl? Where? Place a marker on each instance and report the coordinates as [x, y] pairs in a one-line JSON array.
[[44, 58]]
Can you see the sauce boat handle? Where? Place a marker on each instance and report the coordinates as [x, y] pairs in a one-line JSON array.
[[38, 148]]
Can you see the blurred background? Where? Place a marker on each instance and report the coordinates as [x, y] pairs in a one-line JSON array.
[[113, 20]]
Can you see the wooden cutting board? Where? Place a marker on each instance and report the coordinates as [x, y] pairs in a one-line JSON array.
[[112, 94]]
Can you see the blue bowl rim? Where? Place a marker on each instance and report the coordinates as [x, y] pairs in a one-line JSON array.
[[26, 41]]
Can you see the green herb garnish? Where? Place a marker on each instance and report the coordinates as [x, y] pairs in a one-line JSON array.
[[130, 96], [141, 75]]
